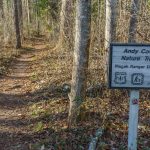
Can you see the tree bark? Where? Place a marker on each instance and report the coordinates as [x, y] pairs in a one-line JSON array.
[[100, 5], [28, 9], [28, 12], [3, 21], [81, 56], [37, 18], [133, 21], [66, 23], [1, 10], [17, 24], [20, 16], [110, 28]]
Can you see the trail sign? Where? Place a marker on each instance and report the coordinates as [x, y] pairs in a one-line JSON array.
[[129, 66]]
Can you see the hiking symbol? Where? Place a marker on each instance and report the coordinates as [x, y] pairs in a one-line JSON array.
[[137, 79]]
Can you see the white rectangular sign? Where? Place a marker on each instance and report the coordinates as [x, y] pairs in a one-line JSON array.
[[129, 66]]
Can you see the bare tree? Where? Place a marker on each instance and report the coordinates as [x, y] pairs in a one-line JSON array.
[[7, 21], [17, 24], [1, 9], [37, 17], [20, 16], [81, 56], [1, 12], [133, 21], [28, 15], [110, 27], [66, 22]]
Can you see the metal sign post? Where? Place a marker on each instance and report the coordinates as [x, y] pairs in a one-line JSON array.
[[129, 68], [133, 119]]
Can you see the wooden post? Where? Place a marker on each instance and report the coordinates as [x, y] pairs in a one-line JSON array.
[[133, 119]]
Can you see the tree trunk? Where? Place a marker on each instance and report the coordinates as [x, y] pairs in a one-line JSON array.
[[28, 11], [17, 24], [2, 21], [37, 18], [28, 16], [99, 21], [81, 56], [133, 21], [110, 28], [5, 25], [20, 16], [1, 10], [66, 23]]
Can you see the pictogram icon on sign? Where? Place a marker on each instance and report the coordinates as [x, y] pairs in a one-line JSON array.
[[137, 79], [120, 78]]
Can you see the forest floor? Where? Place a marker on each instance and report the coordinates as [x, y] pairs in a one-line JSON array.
[[34, 106], [15, 95]]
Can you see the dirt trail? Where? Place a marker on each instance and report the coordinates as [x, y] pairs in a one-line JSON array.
[[15, 90]]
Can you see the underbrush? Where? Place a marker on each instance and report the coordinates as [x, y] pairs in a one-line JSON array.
[[7, 54], [106, 109]]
